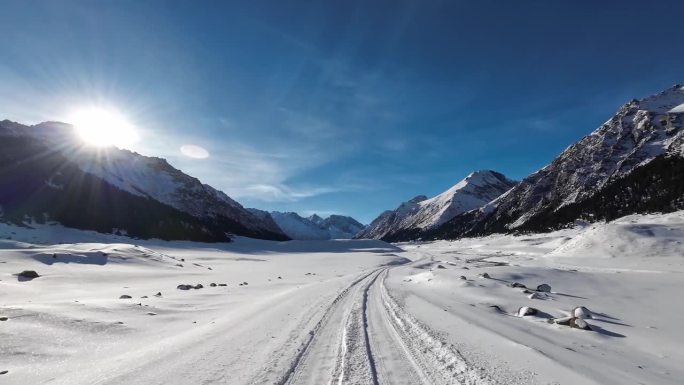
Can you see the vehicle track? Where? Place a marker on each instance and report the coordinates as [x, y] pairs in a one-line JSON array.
[[366, 337], [435, 361], [322, 339]]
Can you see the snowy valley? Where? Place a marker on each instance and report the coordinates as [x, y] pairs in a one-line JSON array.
[[107, 309], [117, 268]]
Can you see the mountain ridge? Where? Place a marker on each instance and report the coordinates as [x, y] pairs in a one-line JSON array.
[[152, 178], [630, 151], [420, 213], [313, 227]]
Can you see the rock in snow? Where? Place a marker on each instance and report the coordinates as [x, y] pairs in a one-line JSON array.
[[28, 274], [525, 311], [188, 287], [581, 312]]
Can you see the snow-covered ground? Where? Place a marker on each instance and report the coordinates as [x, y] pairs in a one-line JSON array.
[[344, 312]]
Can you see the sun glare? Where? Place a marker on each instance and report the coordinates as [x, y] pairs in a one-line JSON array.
[[103, 127]]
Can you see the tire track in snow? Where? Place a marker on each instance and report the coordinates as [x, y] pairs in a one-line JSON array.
[[340, 348], [434, 360], [355, 362], [292, 372], [371, 360]]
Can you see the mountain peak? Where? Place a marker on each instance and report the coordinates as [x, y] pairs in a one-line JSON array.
[[417, 199], [419, 214], [315, 218], [662, 102]]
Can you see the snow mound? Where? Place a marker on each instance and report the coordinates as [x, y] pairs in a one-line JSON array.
[[98, 254], [633, 236]]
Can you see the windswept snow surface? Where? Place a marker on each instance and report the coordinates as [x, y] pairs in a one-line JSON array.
[[344, 312]]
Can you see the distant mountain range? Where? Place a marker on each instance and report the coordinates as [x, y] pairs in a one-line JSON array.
[[633, 163], [313, 227]]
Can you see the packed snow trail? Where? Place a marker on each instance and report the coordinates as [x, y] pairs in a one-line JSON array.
[[365, 337]]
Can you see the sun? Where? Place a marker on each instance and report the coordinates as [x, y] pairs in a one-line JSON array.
[[103, 127]]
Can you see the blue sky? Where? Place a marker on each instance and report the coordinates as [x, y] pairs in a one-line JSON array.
[[344, 106]]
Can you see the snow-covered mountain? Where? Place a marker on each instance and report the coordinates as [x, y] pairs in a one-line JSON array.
[[339, 226], [632, 163], [297, 227], [421, 214], [149, 178], [314, 227]]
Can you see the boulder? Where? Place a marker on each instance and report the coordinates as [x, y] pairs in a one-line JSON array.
[[28, 274], [573, 322], [517, 284], [184, 287], [441, 267], [526, 310], [125, 296], [159, 294], [223, 284], [463, 277], [212, 284], [198, 286], [484, 275], [579, 323], [581, 312], [3, 318], [545, 288], [565, 321]]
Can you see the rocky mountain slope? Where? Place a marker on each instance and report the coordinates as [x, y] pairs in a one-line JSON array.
[[126, 174], [421, 214], [630, 164]]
